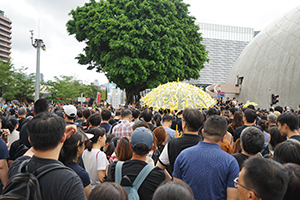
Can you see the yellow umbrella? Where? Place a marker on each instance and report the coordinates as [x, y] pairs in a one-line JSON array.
[[250, 103], [177, 96]]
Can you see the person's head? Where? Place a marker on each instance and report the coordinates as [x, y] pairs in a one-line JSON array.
[[46, 131], [94, 119], [99, 137], [141, 141], [136, 113], [250, 115], [287, 152], [287, 122], [108, 191], [272, 118], [126, 114], [192, 120], [173, 190], [73, 147], [215, 128], [232, 111], [276, 137], [12, 124], [167, 120], [157, 119], [262, 178], [263, 124], [41, 105], [252, 140], [105, 114], [123, 150], [79, 113], [86, 113], [292, 192], [70, 112], [161, 135], [279, 109], [109, 146], [22, 112], [147, 115], [212, 111], [237, 119]]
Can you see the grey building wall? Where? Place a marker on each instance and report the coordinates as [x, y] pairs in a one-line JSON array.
[[222, 56]]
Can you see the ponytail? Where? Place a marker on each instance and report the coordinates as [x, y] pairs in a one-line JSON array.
[[97, 132]]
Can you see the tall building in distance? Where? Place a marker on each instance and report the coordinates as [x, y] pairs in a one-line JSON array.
[[5, 37], [224, 45]]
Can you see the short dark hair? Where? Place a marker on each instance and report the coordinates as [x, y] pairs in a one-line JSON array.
[[279, 109], [232, 110], [108, 191], [292, 192], [268, 178], [86, 113], [105, 114], [45, 131], [287, 152], [252, 140], [167, 118], [215, 128], [212, 111], [94, 119], [147, 115], [193, 119], [173, 190], [41, 105], [276, 137], [125, 113], [135, 113], [141, 149], [79, 112], [289, 118], [250, 115]]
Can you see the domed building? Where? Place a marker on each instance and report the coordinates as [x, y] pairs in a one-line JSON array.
[[270, 64]]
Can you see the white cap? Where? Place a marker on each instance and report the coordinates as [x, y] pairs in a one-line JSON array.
[[70, 110]]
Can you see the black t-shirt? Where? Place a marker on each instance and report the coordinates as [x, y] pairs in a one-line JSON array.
[[238, 131], [295, 137], [24, 136], [240, 158], [132, 168], [20, 119], [176, 145], [58, 184]]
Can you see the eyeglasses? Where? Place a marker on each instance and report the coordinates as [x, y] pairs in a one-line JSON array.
[[236, 183]]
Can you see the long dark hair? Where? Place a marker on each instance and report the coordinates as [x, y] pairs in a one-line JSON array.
[[97, 132], [237, 120], [69, 150]]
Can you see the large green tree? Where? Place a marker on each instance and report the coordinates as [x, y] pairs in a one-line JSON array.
[[139, 44]]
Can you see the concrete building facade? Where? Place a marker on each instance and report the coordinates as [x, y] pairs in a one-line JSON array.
[[5, 37]]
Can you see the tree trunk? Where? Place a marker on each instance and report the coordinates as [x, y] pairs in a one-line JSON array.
[[133, 96]]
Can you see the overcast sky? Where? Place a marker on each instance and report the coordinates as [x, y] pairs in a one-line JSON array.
[[48, 20]]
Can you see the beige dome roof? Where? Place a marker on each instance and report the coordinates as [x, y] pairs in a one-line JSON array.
[[271, 61]]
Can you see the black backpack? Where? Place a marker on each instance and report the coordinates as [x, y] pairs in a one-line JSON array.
[[25, 185]]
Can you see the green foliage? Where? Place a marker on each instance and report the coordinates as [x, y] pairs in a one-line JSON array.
[[139, 44], [15, 83], [65, 87]]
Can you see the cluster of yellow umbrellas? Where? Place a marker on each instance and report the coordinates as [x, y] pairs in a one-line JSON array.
[[177, 96]]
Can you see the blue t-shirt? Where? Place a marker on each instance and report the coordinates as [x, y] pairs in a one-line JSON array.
[[84, 176], [207, 169], [3, 153]]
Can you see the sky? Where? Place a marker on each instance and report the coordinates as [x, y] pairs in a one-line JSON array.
[[48, 18]]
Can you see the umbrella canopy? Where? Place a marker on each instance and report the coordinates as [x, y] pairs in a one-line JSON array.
[[250, 103], [177, 96]]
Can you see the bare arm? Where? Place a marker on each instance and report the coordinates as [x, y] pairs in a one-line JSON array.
[[87, 191], [232, 193], [101, 174], [158, 164], [3, 171], [176, 179]]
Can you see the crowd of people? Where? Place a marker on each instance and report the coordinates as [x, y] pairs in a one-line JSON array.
[[225, 152]]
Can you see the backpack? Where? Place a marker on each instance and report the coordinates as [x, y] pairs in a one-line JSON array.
[[25, 185], [132, 191]]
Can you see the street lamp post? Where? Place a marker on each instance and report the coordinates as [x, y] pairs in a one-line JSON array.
[[38, 44]]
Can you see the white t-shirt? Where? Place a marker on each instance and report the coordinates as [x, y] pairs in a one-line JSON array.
[[94, 161], [14, 135]]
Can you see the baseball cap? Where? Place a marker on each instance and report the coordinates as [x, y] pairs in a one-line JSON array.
[[142, 135], [70, 110]]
